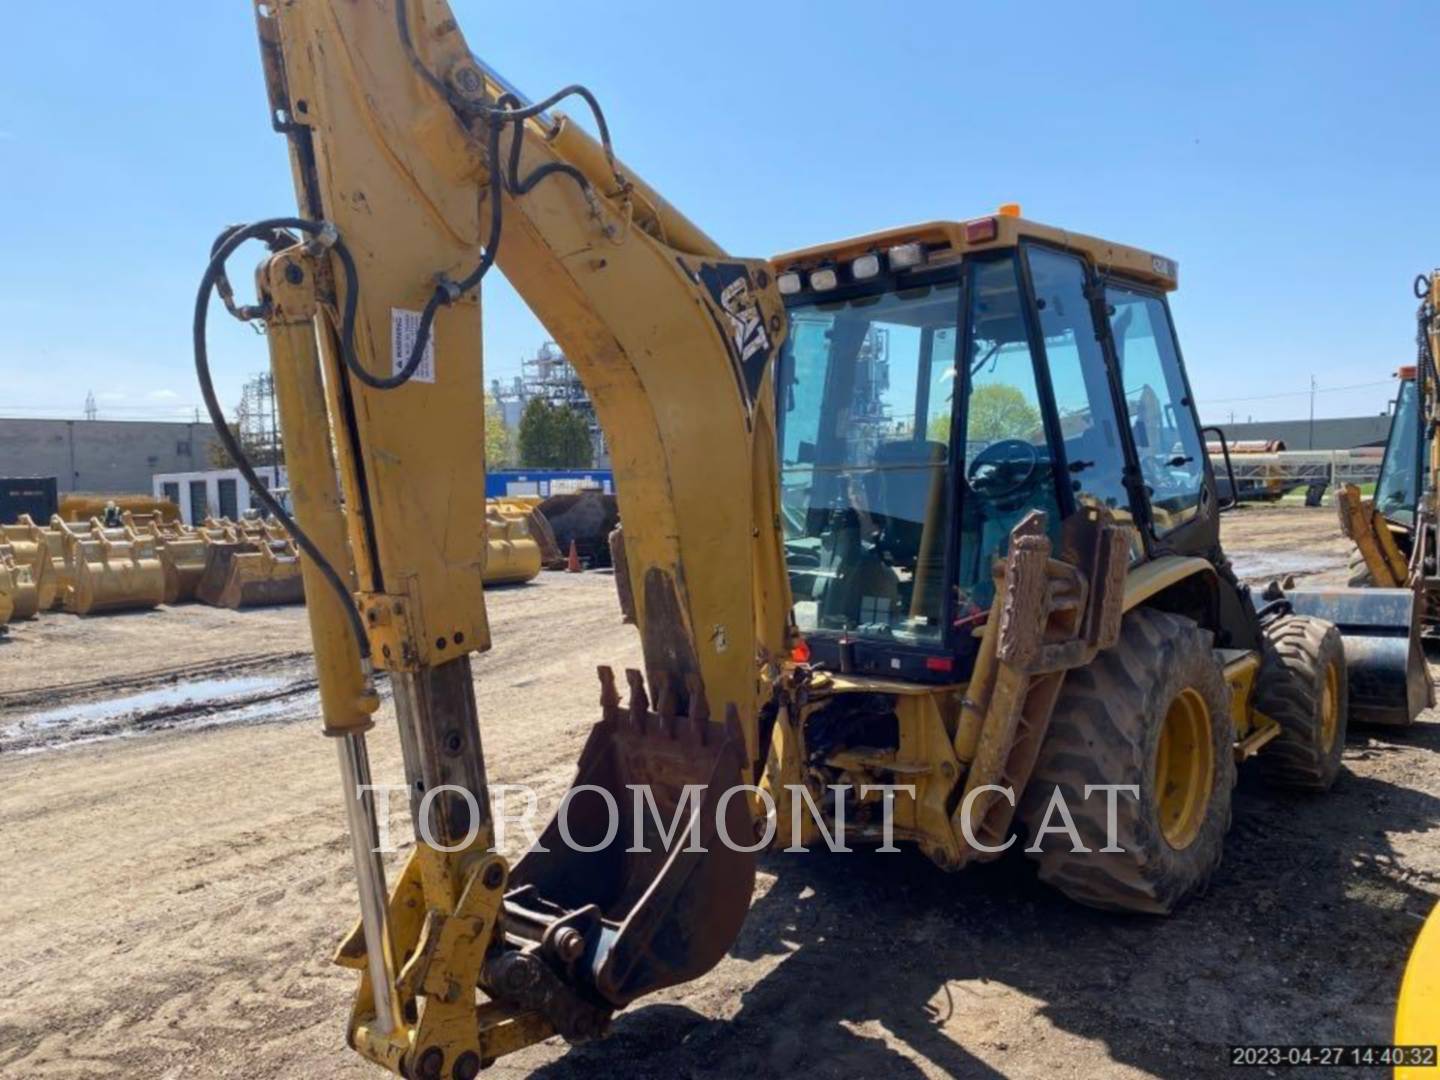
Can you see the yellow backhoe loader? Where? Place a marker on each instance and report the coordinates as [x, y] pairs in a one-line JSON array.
[[919, 526], [1394, 536], [1394, 532]]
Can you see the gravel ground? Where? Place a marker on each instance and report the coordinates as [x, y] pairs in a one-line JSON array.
[[177, 875]]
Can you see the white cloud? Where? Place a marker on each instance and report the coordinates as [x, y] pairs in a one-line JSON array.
[[162, 395]]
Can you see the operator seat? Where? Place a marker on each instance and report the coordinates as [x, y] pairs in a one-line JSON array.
[[903, 489]]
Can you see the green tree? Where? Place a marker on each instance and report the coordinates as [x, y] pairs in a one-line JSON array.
[[499, 450], [997, 411], [553, 437]]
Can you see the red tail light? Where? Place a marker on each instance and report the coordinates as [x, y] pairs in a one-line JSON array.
[[981, 231]]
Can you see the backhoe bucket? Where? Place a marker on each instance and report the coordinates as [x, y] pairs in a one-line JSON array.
[[19, 599], [250, 573], [511, 555], [30, 548], [111, 570], [183, 559], [654, 918], [1389, 683]]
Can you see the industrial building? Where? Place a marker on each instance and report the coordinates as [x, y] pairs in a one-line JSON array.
[[215, 492], [104, 456], [1338, 433]]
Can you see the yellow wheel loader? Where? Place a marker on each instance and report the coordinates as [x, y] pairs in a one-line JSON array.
[[921, 537]]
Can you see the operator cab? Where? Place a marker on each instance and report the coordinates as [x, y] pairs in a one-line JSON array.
[[941, 382], [1405, 464]]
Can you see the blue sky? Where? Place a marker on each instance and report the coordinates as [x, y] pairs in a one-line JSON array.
[[1280, 152]]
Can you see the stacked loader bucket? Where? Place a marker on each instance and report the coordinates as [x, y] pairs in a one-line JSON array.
[[183, 552], [35, 552], [19, 598], [538, 526], [255, 564], [111, 569], [511, 553]]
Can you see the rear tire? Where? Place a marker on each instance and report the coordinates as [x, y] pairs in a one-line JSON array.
[[1160, 684], [1302, 686]]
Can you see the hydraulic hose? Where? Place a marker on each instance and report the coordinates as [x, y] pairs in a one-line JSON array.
[[504, 176], [230, 240]]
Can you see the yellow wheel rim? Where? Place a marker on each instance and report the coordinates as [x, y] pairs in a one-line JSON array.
[[1184, 769], [1330, 708]]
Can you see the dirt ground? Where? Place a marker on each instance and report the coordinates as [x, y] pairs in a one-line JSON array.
[[176, 874]]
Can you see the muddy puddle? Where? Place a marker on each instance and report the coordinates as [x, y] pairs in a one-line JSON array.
[[192, 705]]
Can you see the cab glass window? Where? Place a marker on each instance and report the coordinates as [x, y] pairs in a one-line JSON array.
[[1161, 415], [1397, 490], [867, 390], [1008, 462], [1084, 400]]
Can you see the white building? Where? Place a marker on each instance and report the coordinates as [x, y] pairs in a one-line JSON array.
[[215, 492]]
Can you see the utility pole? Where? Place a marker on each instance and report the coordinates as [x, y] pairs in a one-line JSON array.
[[1312, 413], [90, 410]]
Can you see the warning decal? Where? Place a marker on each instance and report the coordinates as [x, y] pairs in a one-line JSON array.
[[404, 326]]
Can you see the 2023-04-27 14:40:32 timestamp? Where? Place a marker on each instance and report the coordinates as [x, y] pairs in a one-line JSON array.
[[1378, 1055]]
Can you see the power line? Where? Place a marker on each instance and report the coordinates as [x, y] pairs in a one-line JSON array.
[[1298, 393]]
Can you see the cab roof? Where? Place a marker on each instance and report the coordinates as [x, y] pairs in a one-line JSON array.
[[946, 241]]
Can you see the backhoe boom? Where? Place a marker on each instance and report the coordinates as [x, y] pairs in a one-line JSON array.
[[417, 169]]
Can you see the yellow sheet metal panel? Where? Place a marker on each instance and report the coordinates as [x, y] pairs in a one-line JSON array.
[[398, 177], [1417, 1017], [1154, 577]]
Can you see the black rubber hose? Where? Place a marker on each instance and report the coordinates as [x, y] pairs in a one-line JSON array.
[[232, 239]]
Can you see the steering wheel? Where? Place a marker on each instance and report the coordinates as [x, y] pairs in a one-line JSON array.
[[1002, 469]]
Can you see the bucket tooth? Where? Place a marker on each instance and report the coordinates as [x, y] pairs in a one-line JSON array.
[[639, 700], [609, 697]]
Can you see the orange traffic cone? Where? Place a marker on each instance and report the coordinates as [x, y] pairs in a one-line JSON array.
[[572, 562]]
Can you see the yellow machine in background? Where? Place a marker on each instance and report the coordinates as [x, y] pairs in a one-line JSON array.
[[1394, 531], [903, 597]]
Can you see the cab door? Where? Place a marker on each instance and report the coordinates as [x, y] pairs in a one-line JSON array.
[[1093, 439], [1164, 427]]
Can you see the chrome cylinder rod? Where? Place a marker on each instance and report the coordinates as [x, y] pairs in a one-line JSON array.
[[369, 875]]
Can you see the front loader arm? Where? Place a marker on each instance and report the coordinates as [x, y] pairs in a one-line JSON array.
[[415, 169]]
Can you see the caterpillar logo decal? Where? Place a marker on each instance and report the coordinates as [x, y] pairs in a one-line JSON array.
[[744, 322]]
